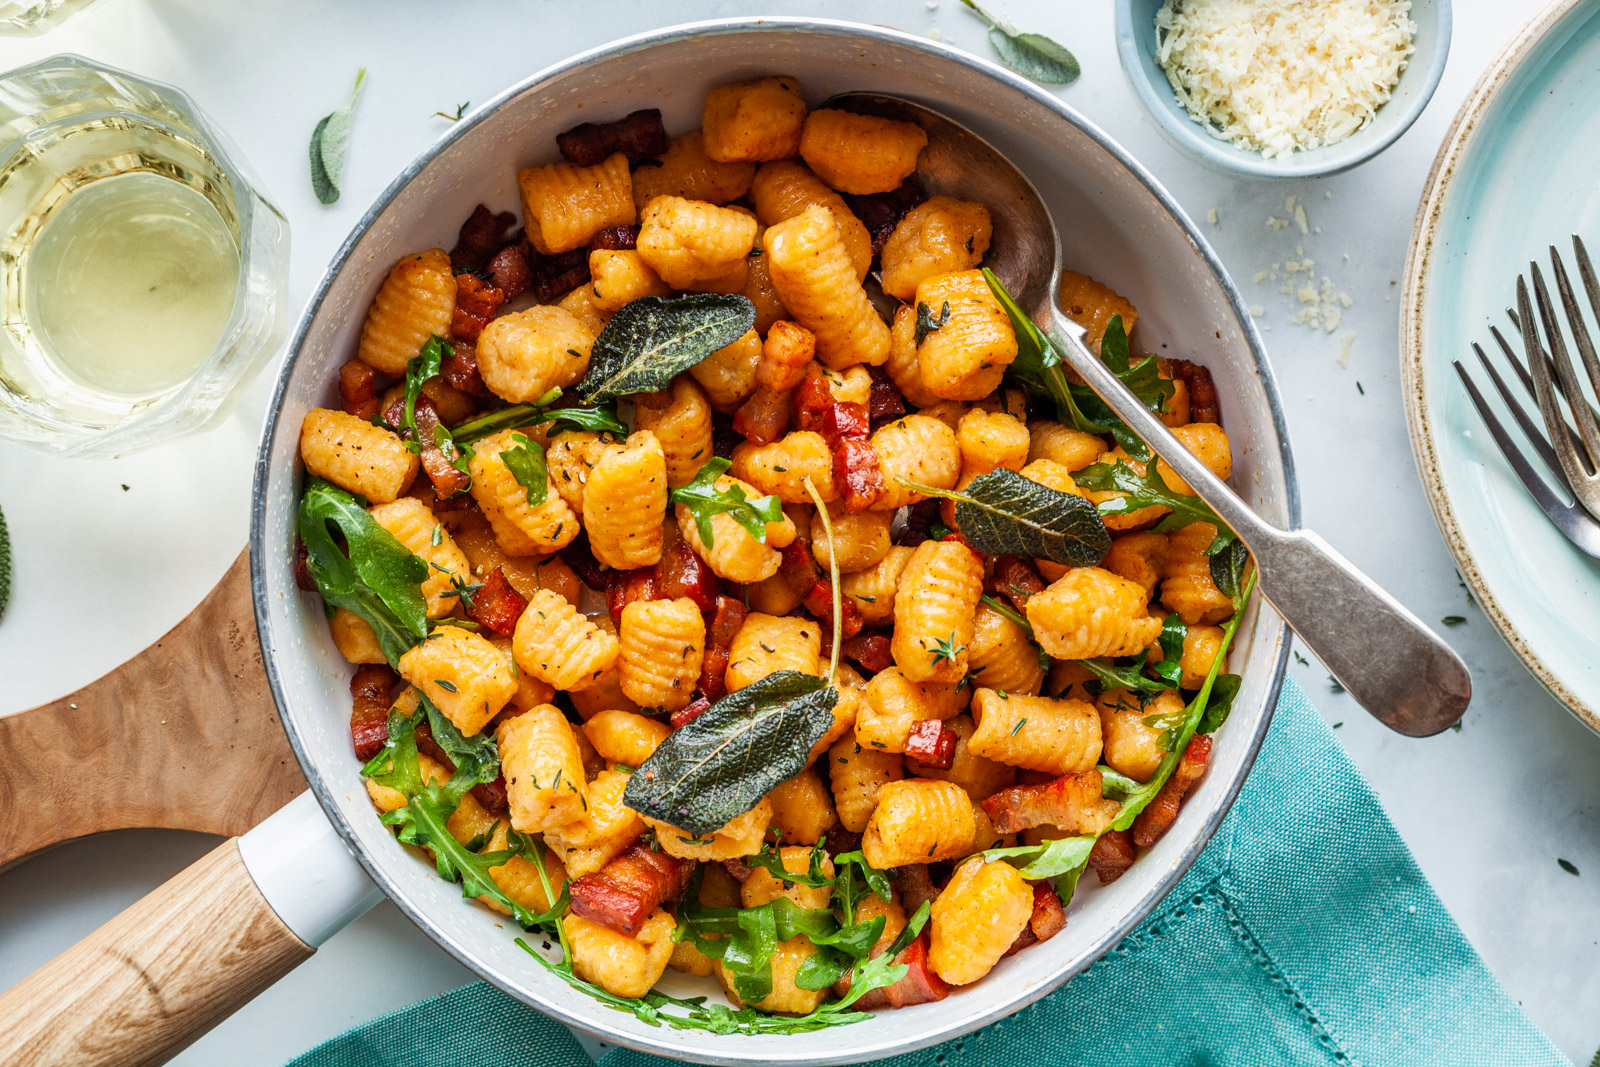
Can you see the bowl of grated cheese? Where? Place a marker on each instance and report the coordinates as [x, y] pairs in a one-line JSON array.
[[1283, 89]]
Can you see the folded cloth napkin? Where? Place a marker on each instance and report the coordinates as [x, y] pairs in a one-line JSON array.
[[1304, 934]]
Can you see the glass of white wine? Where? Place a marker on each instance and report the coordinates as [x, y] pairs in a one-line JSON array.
[[143, 275], [27, 17]]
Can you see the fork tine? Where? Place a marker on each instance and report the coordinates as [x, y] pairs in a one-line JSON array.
[[1531, 431], [1536, 486], [1586, 272], [1522, 371], [1581, 412], [1544, 387]]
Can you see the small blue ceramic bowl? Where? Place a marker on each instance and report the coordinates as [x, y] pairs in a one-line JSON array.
[[1136, 45]]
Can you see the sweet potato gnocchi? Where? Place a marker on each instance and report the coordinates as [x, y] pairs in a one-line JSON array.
[[659, 646]]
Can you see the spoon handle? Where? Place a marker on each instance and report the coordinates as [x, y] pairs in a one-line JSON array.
[[1386, 657]]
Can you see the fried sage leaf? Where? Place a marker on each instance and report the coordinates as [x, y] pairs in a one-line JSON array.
[[654, 338], [1003, 513], [723, 762]]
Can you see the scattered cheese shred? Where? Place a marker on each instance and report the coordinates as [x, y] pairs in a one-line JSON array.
[[1276, 76]]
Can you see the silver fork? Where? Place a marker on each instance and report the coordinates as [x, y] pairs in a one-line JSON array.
[[1569, 455]]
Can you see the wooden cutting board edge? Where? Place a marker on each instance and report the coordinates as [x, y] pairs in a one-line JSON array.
[[185, 735]]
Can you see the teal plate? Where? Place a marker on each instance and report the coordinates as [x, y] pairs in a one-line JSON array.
[[1519, 171]]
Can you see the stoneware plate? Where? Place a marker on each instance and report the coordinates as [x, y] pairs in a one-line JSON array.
[[1116, 222], [1519, 171]]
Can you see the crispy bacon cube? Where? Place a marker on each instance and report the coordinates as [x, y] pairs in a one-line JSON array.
[[476, 303], [727, 616], [359, 386], [915, 885], [885, 401], [625, 587], [459, 369], [448, 480], [556, 276], [1112, 854], [856, 473], [370, 687], [681, 573], [624, 892], [510, 271], [1072, 802], [870, 651], [1203, 406], [819, 601], [920, 985], [615, 239], [1157, 818], [590, 571], [764, 417], [1049, 918], [497, 606], [480, 236], [1016, 579], [880, 213], [690, 712], [636, 135], [812, 401], [932, 744]]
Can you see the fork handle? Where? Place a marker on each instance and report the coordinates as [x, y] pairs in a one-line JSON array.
[[1384, 656]]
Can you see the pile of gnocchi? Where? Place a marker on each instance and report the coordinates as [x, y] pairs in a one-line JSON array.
[[586, 581]]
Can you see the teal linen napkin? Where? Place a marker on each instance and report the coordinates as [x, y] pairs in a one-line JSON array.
[[1304, 934]]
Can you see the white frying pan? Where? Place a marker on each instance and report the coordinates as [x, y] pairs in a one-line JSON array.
[[155, 978]]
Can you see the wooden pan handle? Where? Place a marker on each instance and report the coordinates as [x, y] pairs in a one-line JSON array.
[[184, 735], [145, 985]]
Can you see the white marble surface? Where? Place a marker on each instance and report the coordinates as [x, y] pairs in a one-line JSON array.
[[110, 554]]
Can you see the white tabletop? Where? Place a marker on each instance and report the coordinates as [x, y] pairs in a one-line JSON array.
[[110, 554]]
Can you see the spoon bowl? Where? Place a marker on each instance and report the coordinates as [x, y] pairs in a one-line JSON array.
[[1382, 653]]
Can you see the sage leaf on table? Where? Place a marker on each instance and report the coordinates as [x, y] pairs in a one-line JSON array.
[[1032, 55], [652, 339], [525, 460], [1003, 513], [374, 575], [704, 499], [722, 763], [328, 143]]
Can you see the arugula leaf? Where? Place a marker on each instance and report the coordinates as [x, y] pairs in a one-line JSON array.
[[653, 338], [396, 764], [477, 758], [379, 580], [419, 368], [703, 499], [847, 867], [771, 861], [1150, 490], [1037, 368], [1170, 669], [1136, 800], [1003, 513], [328, 143], [721, 764], [926, 323], [1032, 55], [601, 418], [1046, 860], [526, 462], [1222, 697]]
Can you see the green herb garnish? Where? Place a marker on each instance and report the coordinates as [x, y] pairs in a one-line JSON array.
[[721, 764], [328, 143], [372, 575], [704, 499], [1003, 513], [652, 339], [526, 461], [1032, 55], [1149, 490], [926, 323]]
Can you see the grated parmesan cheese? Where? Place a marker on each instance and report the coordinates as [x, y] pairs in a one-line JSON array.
[[1276, 76]]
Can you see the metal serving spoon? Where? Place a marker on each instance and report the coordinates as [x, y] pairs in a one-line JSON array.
[[1383, 655]]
